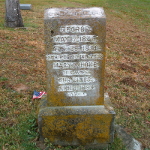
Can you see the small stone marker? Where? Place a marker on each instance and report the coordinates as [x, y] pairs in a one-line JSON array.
[[25, 6], [74, 112]]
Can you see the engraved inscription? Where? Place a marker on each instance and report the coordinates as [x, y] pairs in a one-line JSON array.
[[75, 39], [76, 72], [81, 87], [70, 94], [95, 56], [75, 55], [75, 29], [74, 65], [78, 12], [66, 80], [76, 48]]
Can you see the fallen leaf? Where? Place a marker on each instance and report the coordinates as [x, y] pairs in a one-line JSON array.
[[17, 112], [4, 148], [129, 81], [20, 87], [148, 122]]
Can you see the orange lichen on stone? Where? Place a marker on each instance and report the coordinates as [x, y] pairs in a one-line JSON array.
[[84, 128], [52, 96]]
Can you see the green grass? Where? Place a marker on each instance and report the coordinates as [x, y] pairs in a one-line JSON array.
[[22, 53], [137, 10], [22, 135], [117, 144]]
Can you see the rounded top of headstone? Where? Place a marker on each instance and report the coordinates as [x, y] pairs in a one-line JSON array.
[[74, 13]]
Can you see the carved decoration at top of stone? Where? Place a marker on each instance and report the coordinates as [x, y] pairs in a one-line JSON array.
[[63, 13]]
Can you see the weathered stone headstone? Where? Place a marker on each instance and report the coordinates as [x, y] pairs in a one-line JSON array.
[[13, 16], [74, 112]]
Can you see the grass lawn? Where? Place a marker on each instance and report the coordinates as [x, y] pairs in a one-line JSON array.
[[23, 70]]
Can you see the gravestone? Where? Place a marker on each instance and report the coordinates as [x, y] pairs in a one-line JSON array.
[[76, 112], [13, 16]]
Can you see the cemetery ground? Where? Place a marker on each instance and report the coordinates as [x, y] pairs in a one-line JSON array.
[[23, 70]]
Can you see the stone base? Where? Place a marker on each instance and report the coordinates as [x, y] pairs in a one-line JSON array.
[[90, 126]]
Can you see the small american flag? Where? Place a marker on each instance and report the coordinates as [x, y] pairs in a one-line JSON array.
[[38, 94]]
